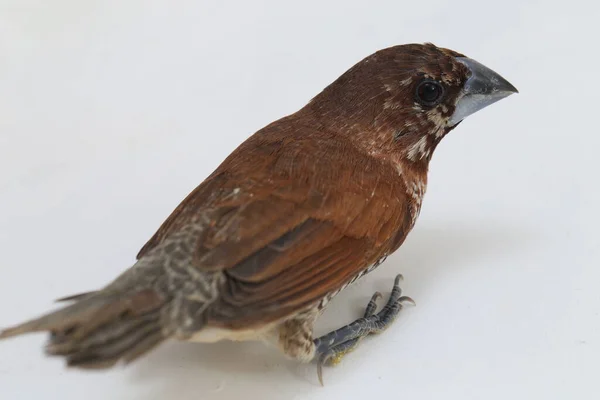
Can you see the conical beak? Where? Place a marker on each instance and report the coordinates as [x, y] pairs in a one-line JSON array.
[[483, 87]]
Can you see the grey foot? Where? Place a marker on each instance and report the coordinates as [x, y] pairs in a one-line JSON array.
[[332, 347]]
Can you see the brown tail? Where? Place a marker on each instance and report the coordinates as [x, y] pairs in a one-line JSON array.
[[101, 328]]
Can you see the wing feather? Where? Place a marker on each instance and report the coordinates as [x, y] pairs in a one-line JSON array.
[[290, 229]]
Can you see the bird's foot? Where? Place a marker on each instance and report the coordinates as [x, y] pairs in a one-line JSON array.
[[332, 347]]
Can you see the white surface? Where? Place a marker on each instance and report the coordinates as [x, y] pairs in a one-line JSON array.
[[112, 111]]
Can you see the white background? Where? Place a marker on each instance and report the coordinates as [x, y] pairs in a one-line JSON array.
[[112, 111]]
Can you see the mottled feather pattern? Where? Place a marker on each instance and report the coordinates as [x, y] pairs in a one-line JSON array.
[[300, 210]]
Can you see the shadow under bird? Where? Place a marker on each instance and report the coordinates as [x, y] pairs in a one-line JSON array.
[[300, 210]]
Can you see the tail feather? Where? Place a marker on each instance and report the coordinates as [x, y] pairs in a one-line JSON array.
[[107, 347], [61, 319], [101, 328], [104, 335], [78, 296]]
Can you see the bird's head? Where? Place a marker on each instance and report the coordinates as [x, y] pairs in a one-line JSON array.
[[404, 99]]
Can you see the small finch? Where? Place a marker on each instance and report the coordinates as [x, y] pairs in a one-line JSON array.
[[300, 210]]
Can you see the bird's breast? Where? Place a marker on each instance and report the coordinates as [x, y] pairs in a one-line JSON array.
[[415, 191]]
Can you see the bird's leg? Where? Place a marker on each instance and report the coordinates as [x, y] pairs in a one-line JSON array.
[[334, 354], [295, 337], [331, 348]]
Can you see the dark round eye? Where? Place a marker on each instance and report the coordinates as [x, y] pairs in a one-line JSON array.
[[429, 93]]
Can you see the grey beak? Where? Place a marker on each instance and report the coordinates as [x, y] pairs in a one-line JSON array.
[[483, 87]]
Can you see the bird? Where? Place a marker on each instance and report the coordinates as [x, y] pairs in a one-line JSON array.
[[295, 214]]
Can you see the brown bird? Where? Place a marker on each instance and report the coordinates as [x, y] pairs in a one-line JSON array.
[[304, 207]]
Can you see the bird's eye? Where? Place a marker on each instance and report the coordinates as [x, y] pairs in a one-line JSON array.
[[429, 93]]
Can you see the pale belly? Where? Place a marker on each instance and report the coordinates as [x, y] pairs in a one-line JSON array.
[[212, 335]]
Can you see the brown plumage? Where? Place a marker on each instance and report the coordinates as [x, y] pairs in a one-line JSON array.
[[306, 205]]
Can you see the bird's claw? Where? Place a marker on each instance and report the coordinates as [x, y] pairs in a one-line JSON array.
[[331, 348]]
